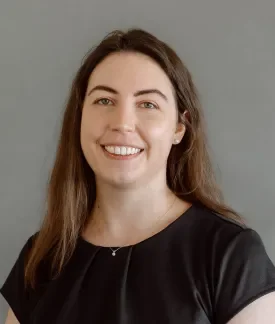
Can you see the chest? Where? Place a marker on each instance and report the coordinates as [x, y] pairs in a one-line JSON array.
[[132, 287]]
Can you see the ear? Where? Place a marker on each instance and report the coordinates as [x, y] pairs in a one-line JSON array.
[[180, 129]]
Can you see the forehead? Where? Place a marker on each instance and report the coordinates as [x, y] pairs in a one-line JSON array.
[[130, 72]]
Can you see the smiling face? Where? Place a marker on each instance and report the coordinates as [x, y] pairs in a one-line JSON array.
[[129, 120]]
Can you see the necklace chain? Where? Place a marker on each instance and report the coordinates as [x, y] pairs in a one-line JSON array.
[[157, 220]]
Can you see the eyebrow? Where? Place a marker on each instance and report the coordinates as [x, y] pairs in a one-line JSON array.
[[136, 94]]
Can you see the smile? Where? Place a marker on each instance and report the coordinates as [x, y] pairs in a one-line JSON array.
[[121, 152]]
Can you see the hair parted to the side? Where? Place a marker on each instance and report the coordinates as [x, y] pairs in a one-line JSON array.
[[71, 189]]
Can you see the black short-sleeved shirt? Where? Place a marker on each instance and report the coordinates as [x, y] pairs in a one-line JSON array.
[[202, 268]]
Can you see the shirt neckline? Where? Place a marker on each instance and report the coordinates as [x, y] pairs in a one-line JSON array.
[[152, 237]]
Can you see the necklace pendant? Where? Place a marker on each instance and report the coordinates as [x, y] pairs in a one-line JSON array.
[[114, 253]]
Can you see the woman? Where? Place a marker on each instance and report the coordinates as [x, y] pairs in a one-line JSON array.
[[136, 230]]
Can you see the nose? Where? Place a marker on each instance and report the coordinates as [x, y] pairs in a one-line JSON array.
[[123, 119]]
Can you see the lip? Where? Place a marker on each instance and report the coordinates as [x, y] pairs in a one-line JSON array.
[[120, 157]]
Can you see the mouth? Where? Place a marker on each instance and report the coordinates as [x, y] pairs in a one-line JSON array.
[[121, 152]]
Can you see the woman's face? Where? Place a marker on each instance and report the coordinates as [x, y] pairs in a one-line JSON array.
[[129, 120]]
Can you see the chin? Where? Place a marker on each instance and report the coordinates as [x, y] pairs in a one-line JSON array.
[[122, 180]]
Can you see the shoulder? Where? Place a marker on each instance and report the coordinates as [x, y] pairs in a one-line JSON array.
[[234, 260], [222, 242], [209, 225], [26, 248], [30, 241], [208, 217], [13, 289]]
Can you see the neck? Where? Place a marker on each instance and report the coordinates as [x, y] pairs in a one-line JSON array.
[[119, 211]]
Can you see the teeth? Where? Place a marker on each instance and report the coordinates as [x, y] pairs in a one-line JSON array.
[[122, 150]]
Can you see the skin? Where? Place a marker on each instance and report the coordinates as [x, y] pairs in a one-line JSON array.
[[129, 119], [11, 318], [134, 187], [130, 190]]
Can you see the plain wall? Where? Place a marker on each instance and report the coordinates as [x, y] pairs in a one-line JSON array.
[[229, 47]]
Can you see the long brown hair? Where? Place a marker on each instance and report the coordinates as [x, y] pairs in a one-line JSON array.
[[71, 189]]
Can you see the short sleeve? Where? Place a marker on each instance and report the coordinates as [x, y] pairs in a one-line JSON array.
[[244, 274], [13, 289]]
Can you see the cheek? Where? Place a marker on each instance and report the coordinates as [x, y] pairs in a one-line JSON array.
[[89, 134], [90, 127], [160, 131]]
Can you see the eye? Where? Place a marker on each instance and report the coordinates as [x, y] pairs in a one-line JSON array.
[[149, 105], [104, 102]]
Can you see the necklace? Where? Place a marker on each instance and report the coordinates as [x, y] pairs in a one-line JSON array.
[[157, 220], [115, 250]]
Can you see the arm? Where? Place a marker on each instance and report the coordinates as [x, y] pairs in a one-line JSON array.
[[245, 284], [11, 319], [261, 311]]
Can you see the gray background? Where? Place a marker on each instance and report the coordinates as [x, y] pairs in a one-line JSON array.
[[229, 47]]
